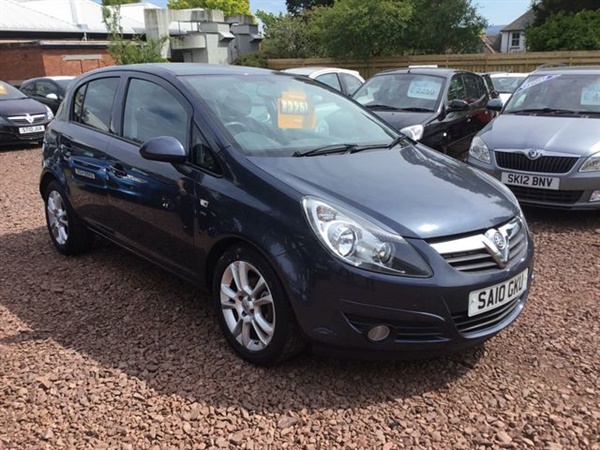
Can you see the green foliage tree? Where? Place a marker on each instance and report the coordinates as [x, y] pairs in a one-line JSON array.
[[229, 7], [580, 31], [126, 51], [544, 9], [288, 36], [444, 26], [363, 29], [297, 6]]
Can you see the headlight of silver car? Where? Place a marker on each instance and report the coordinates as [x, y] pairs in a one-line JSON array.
[[479, 150], [592, 164], [49, 113], [356, 241]]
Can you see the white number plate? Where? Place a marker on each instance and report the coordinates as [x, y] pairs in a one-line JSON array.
[[536, 181], [495, 296], [33, 129]]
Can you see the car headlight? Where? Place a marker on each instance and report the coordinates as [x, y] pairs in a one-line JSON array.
[[592, 164], [479, 150], [356, 241], [415, 132], [49, 113]]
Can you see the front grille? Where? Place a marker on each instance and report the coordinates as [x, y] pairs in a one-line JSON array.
[[469, 254], [400, 330], [23, 120], [544, 164], [545, 195], [467, 325]]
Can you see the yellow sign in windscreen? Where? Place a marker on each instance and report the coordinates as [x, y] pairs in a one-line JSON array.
[[294, 111]]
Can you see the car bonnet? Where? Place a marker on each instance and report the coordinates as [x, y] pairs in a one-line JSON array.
[[414, 191]]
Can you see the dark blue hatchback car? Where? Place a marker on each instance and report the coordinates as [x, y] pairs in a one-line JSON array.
[[310, 220]]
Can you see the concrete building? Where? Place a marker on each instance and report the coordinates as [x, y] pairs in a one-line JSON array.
[[68, 37]]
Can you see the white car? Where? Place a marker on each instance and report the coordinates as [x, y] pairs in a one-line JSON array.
[[506, 83], [344, 80]]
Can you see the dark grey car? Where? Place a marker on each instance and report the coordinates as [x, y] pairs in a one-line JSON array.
[[545, 145]]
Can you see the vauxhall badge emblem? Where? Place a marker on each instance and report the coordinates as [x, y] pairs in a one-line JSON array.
[[497, 245]]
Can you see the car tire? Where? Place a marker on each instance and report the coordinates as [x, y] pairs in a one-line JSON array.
[[252, 308], [68, 233]]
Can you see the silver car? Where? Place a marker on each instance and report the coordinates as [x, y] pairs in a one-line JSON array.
[[545, 144]]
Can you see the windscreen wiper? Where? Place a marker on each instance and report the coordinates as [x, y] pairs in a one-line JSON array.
[[544, 111], [395, 141], [380, 106], [416, 109], [333, 148]]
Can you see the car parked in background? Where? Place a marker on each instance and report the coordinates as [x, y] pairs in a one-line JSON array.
[[347, 236], [344, 80], [545, 144], [442, 108], [505, 83], [22, 119], [47, 90]]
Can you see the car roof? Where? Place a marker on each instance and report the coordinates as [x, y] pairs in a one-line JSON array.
[[182, 69], [438, 71], [54, 77], [508, 74], [309, 70], [577, 70]]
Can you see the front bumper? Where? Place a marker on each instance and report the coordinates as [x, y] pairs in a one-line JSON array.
[[9, 134], [575, 190], [336, 305]]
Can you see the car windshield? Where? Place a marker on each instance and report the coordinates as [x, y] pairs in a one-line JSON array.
[[507, 85], [407, 91], [557, 93], [8, 92], [279, 114]]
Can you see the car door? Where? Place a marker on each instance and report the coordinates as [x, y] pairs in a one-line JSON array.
[[477, 97], [152, 204], [82, 141]]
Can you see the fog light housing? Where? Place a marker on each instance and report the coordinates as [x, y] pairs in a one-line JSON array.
[[595, 197], [378, 333]]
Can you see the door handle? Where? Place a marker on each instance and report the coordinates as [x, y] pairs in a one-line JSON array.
[[117, 170]]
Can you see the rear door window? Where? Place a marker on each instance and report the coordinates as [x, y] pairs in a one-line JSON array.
[[330, 79], [94, 102]]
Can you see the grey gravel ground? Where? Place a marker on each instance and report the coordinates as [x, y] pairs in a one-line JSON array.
[[107, 351]]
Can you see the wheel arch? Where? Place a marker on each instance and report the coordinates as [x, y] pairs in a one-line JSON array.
[[46, 179]]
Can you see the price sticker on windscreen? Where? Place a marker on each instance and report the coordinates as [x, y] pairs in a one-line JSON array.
[[590, 95], [294, 111], [425, 89]]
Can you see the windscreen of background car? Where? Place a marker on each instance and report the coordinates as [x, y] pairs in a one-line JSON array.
[[579, 93], [506, 85], [280, 114], [8, 92], [401, 91]]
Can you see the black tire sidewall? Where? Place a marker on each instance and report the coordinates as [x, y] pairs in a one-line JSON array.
[[283, 314]]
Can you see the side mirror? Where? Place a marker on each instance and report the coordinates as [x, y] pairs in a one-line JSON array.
[[52, 96], [458, 105], [495, 104], [165, 149]]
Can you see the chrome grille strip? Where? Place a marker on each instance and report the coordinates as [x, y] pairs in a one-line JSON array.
[[470, 254], [488, 320]]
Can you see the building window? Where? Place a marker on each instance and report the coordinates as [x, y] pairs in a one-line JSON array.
[[515, 39]]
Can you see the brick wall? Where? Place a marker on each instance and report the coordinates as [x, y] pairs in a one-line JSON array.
[[20, 61]]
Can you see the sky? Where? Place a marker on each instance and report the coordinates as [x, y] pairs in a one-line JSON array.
[[497, 12]]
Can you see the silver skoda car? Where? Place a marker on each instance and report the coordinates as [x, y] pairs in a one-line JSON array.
[[545, 144]]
